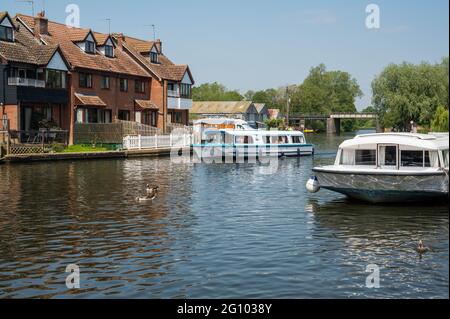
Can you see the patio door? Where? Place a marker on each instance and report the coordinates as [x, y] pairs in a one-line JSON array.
[[388, 156]]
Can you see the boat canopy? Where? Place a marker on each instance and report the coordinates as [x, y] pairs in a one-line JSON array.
[[254, 133], [410, 140], [219, 121]]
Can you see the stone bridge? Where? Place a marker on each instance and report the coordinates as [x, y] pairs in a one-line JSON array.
[[333, 120]]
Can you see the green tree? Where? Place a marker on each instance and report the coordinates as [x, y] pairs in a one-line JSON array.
[[324, 92], [440, 122], [406, 92], [215, 92]]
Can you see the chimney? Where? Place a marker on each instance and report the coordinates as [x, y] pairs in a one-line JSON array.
[[40, 24], [158, 45], [120, 39]]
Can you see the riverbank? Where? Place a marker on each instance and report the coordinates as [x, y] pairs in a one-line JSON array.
[[28, 158]]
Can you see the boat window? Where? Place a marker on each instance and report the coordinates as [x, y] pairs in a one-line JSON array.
[[445, 155], [214, 139], [366, 157], [244, 140], [283, 140], [412, 158], [388, 155], [298, 139], [348, 157]]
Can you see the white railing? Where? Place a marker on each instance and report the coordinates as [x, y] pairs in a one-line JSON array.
[[140, 142], [26, 82], [173, 93]]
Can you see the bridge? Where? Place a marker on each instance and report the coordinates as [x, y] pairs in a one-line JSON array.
[[333, 119]]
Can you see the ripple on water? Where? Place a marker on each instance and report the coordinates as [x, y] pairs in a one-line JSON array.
[[217, 231]]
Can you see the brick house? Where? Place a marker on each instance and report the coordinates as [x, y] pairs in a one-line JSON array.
[[171, 83], [108, 79], [33, 81]]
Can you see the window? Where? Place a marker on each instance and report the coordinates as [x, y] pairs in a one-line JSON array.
[[298, 139], [106, 82], [90, 47], [177, 117], [6, 33], [124, 115], [445, 155], [412, 158], [124, 85], [92, 115], [151, 118], [85, 80], [185, 91], [105, 116], [388, 156], [109, 51], [244, 140], [366, 157], [154, 57], [139, 86], [55, 79]]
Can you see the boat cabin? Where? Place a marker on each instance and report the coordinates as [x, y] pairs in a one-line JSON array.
[[241, 137], [395, 151]]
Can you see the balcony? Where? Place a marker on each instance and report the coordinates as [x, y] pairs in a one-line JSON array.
[[26, 82], [179, 103]]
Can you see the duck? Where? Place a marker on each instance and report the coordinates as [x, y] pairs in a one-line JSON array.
[[152, 192], [422, 249]]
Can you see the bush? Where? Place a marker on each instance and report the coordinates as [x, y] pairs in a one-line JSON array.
[[440, 121]]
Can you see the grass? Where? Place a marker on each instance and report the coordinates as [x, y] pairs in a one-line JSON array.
[[85, 149]]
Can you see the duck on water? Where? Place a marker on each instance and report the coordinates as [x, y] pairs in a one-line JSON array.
[[152, 192], [388, 168]]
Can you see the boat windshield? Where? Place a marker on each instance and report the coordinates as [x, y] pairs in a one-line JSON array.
[[445, 155], [386, 157]]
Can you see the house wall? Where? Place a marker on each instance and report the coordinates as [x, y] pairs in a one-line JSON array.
[[113, 97], [8, 94], [158, 98], [12, 113]]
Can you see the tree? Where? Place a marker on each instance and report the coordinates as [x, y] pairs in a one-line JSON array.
[[215, 92], [407, 92], [324, 92], [440, 122]]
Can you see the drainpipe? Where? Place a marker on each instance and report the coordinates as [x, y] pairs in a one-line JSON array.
[[5, 79]]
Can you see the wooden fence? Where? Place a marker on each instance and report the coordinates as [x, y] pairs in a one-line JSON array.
[[111, 133]]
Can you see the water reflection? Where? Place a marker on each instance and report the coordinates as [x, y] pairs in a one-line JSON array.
[[217, 231]]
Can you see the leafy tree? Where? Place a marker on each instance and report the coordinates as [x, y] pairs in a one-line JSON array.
[[440, 122], [406, 92], [215, 92], [324, 92]]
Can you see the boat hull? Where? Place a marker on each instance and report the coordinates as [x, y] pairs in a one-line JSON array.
[[207, 151], [386, 188]]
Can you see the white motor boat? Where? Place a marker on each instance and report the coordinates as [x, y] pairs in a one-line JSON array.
[[388, 167], [252, 143]]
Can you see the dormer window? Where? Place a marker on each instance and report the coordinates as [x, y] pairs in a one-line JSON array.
[[109, 51], [6, 33], [154, 57], [90, 47]]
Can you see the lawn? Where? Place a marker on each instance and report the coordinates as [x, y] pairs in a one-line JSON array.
[[85, 149]]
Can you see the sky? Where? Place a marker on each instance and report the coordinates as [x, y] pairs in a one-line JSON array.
[[260, 44]]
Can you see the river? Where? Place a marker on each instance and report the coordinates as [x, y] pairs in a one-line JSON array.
[[214, 231]]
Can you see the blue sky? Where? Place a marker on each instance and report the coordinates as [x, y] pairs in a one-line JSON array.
[[258, 44]]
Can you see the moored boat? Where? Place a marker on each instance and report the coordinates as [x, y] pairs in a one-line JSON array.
[[253, 143], [388, 167]]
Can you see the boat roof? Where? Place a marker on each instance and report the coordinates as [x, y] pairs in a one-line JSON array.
[[256, 132], [218, 121], [422, 141]]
